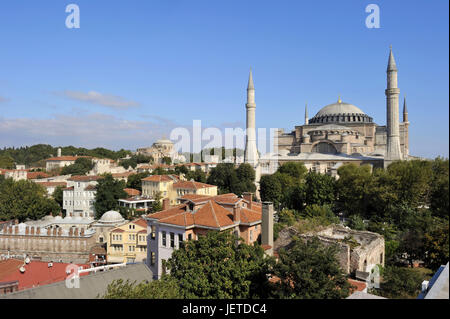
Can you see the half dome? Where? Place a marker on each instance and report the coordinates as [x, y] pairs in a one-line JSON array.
[[111, 217]]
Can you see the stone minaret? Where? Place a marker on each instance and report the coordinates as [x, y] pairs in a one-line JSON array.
[[306, 115], [405, 130], [393, 151], [251, 152]]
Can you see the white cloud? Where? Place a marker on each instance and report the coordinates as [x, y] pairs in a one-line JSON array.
[[116, 102]]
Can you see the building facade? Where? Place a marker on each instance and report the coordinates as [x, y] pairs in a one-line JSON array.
[[128, 243], [195, 216], [79, 196]]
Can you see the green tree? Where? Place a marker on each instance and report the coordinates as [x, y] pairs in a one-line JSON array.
[[135, 180], [356, 222], [439, 193], [24, 199], [81, 166], [6, 162], [319, 189], [58, 196], [310, 270], [294, 169], [165, 288], [270, 189], [109, 191], [166, 160], [436, 245], [197, 175], [400, 283], [215, 266]]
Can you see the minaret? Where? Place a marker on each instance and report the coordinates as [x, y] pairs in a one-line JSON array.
[[393, 151], [405, 111], [306, 115], [405, 130], [251, 152]]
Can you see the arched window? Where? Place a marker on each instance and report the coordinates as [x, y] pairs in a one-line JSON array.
[[324, 148]]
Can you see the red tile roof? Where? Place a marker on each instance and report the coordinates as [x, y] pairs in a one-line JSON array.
[[160, 178], [208, 213], [37, 273], [141, 222], [35, 175], [83, 178], [360, 285], [64, 158], [132, 191], [52, 184], [191, 185], [124, 174]]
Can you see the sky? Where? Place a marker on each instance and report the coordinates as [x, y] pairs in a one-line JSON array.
[[136, 69]]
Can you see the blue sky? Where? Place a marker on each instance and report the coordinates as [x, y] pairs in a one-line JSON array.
[[136, 69]]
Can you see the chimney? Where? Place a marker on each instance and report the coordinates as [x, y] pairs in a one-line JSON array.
[[16, 222], [59, 152], [10, 229], [70, 231], [76, 232], [82, 232], [16, 230], [38, 230], [32, 230], [59, 231], [54, 231], [237, 214], [267, 226], [166, 204], [27, 230], [249, 198], [49, 231]]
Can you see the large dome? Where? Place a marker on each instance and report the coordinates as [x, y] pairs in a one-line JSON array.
[[111, 217], [340, 112]]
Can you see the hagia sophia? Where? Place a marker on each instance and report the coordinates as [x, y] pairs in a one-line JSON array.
[[339, 133]]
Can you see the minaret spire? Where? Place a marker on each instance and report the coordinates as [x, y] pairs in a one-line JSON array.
[[393, 151], [405, 110], [306, 114], [251, 151], [250, 85]]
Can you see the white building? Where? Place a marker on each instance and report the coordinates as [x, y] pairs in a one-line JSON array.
[[79, 196]]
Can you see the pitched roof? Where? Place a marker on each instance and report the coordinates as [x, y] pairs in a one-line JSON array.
[[210, 213], [35, 175], [52, 184], [132, 191], [141, 222], [83, 178], [124, 174], [161, 178], [191, 185], [65, 158]]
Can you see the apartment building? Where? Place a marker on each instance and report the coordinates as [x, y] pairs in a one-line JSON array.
[[195, 216], [128, 242], [79, 196]]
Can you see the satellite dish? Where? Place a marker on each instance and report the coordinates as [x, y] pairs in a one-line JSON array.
[[22, 269], [27, 260]]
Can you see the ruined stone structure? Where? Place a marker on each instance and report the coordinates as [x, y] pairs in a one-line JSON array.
[[359, 251], [51, 244]]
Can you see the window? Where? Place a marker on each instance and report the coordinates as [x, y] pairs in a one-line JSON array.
[[180, 241], [164, 238], [251, 235], [189, 236], [172, 240], [381, 258]]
